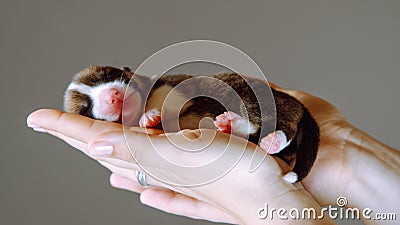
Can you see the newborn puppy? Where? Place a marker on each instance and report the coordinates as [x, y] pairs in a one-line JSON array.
[[176, 102]]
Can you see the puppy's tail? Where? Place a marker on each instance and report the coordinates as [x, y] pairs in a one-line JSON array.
[[308, 142]]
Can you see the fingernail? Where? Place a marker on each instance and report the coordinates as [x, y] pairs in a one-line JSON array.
[[101, 148], [36, 127], [31, 125], [39, 129]]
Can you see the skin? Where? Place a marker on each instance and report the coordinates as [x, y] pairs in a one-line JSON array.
[[350, 163]]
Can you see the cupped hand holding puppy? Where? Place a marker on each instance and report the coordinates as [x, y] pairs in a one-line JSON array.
[[348, 164], [235, 196]]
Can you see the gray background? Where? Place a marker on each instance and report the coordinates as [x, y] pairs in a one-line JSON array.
[[348, 52]]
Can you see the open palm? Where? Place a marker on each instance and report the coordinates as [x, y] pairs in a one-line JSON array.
[[326, 172]]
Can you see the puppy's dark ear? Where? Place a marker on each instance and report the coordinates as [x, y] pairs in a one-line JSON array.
[[126, 68]]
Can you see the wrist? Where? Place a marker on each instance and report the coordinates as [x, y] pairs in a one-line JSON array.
[[373, 174], [293, 205]]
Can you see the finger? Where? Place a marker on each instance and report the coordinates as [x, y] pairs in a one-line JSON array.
[[283, 165], [294, 93], [120, 159], [153, 154], [151, 131], [132, 146], [307, 99], [70, 125], [110, 145], [274, 86], [129, 173], [125, 183], [183, 205], [73, 142], [164, 156], [318, 107]]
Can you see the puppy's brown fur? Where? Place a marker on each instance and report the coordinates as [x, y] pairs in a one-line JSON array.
[[284, 111]]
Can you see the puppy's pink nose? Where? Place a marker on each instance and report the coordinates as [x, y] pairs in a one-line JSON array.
[[114, 96]]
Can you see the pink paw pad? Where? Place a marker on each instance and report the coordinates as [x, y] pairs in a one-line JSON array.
[[225, 122], [150, 119], [274, 142]]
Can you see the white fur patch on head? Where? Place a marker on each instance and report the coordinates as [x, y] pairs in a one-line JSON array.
[[82, 88], [94, 92]]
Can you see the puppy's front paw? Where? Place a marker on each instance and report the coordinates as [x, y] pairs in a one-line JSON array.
[[150, 119], [232, 123], [225, 122]]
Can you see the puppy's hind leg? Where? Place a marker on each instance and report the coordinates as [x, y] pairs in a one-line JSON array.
[[274, 142]]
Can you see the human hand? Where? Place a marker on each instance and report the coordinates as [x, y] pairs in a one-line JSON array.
[[326, 181], [350, 163], [69, 127], [329, 173], [238, 185]]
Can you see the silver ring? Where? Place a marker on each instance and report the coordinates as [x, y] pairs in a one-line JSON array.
[[141, 177]]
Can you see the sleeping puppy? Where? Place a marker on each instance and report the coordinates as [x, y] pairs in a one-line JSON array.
[[280, 125]]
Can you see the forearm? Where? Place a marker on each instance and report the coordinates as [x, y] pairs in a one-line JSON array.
[[375, 175]]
